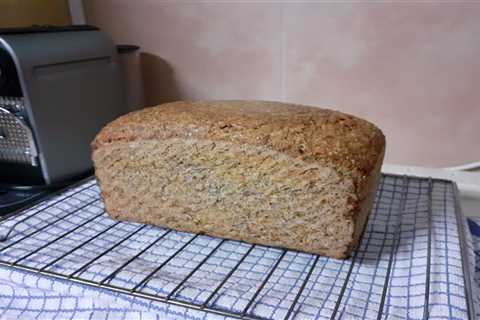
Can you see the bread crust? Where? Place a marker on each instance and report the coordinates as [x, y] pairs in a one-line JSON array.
[[350, 146]]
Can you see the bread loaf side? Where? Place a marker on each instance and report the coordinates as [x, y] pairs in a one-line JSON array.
[[263, 172]]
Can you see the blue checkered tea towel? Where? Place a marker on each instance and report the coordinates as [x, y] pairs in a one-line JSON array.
[[410, 245]]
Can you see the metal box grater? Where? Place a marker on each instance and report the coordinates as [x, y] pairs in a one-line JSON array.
[[16, 138], [58, 87]]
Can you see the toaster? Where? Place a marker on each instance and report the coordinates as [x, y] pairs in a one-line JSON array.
[[58, 87]]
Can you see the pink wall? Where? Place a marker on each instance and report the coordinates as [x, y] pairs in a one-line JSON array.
[[414, 69]]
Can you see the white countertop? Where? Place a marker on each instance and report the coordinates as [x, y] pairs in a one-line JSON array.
[[468, 183]]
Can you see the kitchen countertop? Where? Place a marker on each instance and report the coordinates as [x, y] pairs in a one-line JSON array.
[[470, 206], [468, 183]]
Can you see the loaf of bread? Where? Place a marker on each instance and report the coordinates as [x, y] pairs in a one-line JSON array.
[[270, 173]]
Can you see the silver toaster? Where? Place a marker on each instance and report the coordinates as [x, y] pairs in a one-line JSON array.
[[58, 87]]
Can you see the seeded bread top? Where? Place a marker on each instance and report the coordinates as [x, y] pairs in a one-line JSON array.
[[349, 145]]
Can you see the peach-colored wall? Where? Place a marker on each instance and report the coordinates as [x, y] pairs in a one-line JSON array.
[[412, 68]]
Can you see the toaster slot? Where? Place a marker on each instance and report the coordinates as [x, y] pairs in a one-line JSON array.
[[59, 69]]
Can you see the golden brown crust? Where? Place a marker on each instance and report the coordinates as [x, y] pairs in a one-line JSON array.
[[337, 140], [352, 147]]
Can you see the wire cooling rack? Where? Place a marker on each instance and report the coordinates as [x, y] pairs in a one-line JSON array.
[[412, 261]]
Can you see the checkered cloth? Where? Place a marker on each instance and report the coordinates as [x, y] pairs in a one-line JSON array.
[[71, 232]]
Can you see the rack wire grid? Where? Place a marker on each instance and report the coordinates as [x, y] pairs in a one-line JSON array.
[[412, 260]]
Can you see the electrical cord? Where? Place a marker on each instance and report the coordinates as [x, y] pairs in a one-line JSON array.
[[37, 189], [466, 167], [17, 187], [5, 187], [17, 202]]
